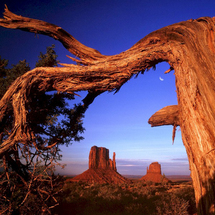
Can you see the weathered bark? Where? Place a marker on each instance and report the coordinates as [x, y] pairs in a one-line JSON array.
[[189, 49], [166, 116], [195, 81]]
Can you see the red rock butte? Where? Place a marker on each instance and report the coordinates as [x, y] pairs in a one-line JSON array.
[[99, 159], [101, 168], [154, 174]]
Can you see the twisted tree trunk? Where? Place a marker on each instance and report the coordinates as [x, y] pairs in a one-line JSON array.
[[189, 49]]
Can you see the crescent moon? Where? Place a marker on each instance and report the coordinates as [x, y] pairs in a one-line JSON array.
[[161, 78]]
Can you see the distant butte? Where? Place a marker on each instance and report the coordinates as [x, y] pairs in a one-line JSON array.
[[101, 168], [154, 174]]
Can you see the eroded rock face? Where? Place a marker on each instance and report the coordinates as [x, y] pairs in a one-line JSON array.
[[154, 167], [99, 159], [101, 168], [154, 174]]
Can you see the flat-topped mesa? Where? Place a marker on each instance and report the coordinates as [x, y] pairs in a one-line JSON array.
[[154, 174], [99, 159]]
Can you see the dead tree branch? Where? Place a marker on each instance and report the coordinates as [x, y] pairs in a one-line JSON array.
[[168, 115]]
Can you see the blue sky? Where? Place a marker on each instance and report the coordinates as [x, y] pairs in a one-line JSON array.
[[117, 122]]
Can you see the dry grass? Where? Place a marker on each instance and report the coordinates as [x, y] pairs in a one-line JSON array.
[[137, 198]]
